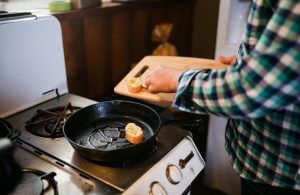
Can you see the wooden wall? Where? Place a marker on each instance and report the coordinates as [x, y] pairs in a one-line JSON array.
[[205, 28]]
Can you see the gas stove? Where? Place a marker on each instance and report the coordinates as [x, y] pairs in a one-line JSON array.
[[60, 154], [37, 103]]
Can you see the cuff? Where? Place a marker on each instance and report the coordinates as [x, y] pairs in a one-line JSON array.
[[184, 97]]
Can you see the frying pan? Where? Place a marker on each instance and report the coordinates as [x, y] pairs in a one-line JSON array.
[[97, 132]]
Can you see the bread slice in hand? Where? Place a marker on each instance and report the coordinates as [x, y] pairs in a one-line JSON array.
[[134, 84], [134, 133]]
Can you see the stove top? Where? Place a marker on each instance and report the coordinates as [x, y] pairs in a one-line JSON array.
[[49, 123], [66, 181], [59, 151]]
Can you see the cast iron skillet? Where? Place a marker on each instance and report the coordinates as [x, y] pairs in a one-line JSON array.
[[84, 130]]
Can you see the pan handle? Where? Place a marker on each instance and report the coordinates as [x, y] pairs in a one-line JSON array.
[[183, 122]]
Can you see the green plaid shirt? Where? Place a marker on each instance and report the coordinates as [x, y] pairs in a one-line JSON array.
[[260, 94]]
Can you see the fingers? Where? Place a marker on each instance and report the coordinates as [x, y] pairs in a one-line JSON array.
[[163, 80], [151, 89], [224, 60], [147, 81], [228, 60], [149, 77]]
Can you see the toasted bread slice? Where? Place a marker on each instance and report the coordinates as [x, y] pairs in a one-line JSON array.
[[134, 133], [134, 84]]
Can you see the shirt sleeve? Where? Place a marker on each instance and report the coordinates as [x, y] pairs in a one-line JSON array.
[[267, 79]]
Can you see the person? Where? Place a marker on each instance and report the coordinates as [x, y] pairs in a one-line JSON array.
[[260, 93]]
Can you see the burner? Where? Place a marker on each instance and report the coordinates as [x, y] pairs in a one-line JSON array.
[[49, 123], [36, 182]]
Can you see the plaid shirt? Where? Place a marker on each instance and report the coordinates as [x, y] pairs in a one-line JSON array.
[[260, 94]]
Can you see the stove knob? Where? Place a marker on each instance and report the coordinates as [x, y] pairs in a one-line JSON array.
[[157, 189], [174, 174]]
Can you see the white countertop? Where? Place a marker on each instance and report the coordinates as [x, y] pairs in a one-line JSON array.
[[37, 7]]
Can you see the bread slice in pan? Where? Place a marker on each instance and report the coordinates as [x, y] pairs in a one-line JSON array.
[[134, 133]]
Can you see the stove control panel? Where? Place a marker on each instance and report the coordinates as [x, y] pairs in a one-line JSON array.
[[173, 174]]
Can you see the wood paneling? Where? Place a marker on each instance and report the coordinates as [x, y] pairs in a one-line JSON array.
[[182, 29], [120, 42], [205, 28], [97, 51], [73, 30], [140, 35]]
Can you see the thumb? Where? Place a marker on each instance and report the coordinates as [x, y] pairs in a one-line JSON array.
[[152, 89]]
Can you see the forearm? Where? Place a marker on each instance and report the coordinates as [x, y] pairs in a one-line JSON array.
[[219, 92]]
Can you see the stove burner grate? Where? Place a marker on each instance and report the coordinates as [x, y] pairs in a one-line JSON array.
[[49, 123], [36, 182]]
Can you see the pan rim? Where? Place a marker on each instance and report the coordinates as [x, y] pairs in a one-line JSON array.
[[121, 148]]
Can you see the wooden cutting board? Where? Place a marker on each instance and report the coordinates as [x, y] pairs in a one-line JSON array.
[[148, 63]]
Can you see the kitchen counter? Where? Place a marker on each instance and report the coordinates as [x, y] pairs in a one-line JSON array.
[[110, 7], [41, 8]]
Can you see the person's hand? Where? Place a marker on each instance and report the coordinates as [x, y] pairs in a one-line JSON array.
[[163, 79], [230, 60]]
